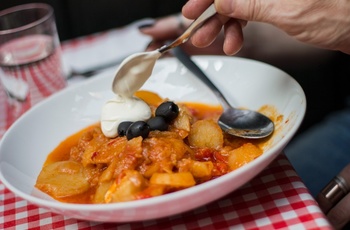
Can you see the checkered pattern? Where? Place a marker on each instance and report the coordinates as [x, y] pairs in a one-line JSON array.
[[275, 199], [42, 79]]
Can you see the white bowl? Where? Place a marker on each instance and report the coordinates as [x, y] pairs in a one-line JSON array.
[[246, 83]]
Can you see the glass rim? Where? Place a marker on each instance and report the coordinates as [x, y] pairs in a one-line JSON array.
[[26, 7]]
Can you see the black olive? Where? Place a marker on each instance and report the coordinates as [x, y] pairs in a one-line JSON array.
[[168, 110], [158, 123], [138, 128], [123, 126]]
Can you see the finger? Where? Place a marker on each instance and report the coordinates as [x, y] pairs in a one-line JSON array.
[[193, 8], [204, 36], [233, 37], [214, 48], [163, 29], [153, 45], [345, 173], [335, 190], [339, 215], [334, 199]]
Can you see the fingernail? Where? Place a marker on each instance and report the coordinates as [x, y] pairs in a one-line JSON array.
[[146, 25]]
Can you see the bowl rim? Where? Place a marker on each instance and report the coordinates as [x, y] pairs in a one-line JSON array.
[[166, 197]]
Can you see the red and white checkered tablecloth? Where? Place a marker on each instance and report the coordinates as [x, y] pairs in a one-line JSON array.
[[275, 199]]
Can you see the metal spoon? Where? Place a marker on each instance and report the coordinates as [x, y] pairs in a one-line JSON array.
[[237, 122], [134, 71]]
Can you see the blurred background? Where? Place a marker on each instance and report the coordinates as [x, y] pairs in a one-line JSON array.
[[324, 75], [81, 17]]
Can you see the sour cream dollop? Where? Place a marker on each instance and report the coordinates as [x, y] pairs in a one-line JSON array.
[[119, 109], [132, 73]]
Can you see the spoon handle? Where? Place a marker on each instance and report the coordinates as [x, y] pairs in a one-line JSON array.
[[185, 59], [208, 13]]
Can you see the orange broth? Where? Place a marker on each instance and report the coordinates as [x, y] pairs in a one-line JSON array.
[[221, 160]]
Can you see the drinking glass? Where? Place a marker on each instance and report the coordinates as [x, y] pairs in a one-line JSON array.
[[31, 66]]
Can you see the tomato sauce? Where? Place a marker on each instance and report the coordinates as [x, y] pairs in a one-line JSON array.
[[108, 166]]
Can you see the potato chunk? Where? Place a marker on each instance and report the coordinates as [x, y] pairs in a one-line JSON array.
[[199, 169], [242, 155], [164, 151], [206, 133], [183, 121], [202, 169], [175, 180], [64, 178], [98, 152], [126, 187], [102, 188]]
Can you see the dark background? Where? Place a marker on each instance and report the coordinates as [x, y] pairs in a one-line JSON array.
[[325, 83], [80, 17]]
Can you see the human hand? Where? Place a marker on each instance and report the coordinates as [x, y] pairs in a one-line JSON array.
[[333, 202], [168, 28], [164, 29], [324, 24]]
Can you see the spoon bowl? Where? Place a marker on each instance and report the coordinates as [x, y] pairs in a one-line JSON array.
[[245, 123], [237, 122], [135, 70]]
